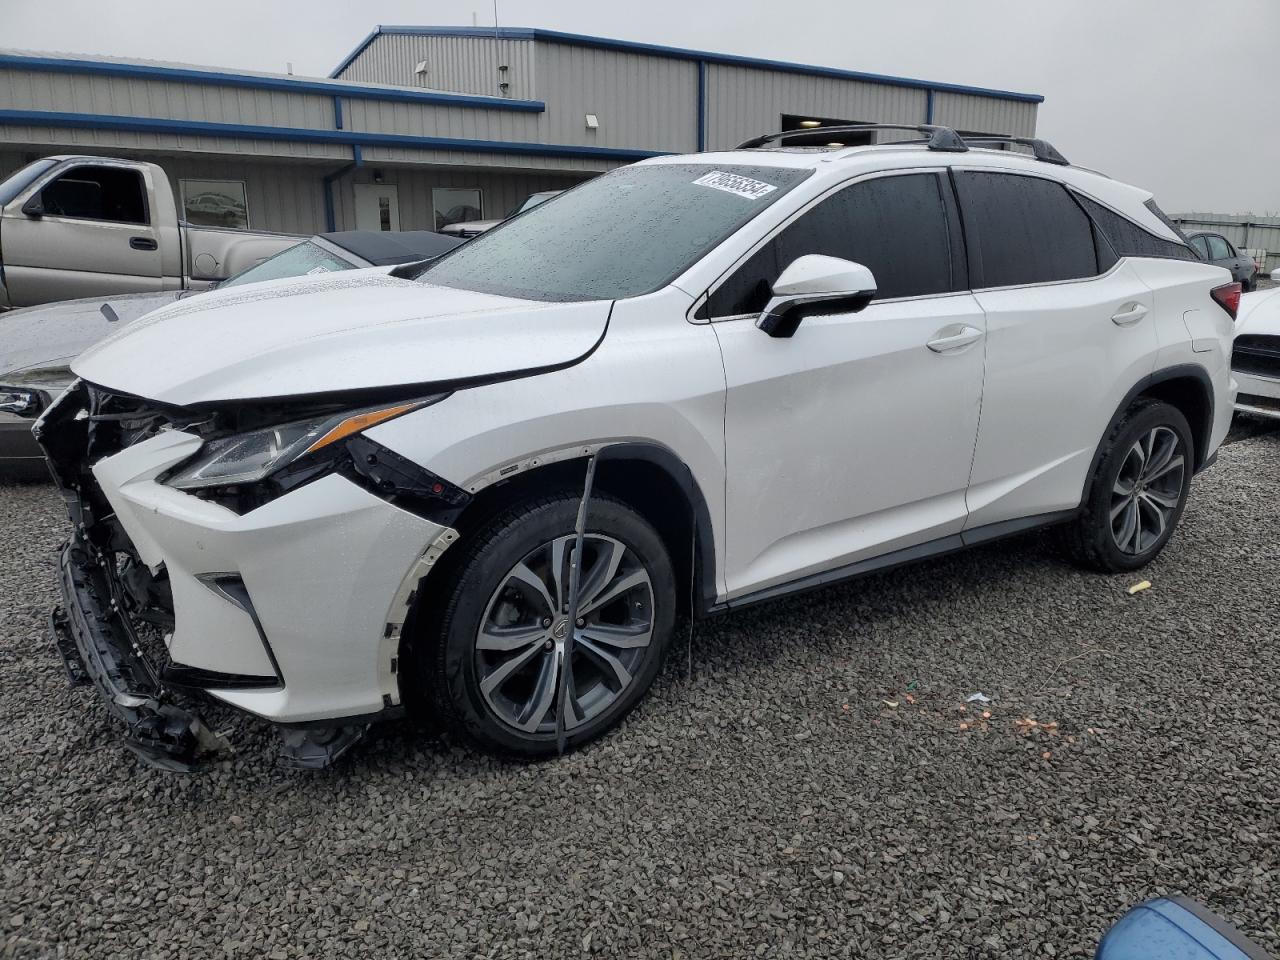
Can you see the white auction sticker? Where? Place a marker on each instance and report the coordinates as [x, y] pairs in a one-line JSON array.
[[733, 183]]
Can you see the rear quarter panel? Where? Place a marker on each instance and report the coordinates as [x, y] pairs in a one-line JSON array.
[[1193, 329]]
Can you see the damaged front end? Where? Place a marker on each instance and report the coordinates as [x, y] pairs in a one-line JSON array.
[[113, 608], [113, 626]]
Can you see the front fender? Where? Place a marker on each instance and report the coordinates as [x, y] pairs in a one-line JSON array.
[[656, 383]]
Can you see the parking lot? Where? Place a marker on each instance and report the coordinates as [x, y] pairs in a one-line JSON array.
[[807, 780]]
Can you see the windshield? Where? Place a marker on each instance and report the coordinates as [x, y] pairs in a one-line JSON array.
[[17, 182], [305, 258], [626, 233]]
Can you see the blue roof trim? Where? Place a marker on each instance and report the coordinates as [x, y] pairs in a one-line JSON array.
[[681, 53], [223, 79], [353, 138]]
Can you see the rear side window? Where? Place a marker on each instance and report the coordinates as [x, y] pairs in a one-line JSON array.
[[1218, 249], [97, 193], [1130, 240], [896, 226], [1201, 245], [1026, 229]]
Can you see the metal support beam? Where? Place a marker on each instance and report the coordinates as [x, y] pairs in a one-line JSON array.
[[702, 105]]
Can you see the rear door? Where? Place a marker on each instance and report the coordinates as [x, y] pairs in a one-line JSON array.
[[1069, 332], [95, 237], [854, 437]]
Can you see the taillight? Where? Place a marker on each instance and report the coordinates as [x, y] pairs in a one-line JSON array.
[[1227, 297]]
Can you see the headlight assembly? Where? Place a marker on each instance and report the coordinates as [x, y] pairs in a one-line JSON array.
[[245, 470], [253, 456]]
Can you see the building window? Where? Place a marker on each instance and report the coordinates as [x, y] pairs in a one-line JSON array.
[[455, 205], [215, 203]]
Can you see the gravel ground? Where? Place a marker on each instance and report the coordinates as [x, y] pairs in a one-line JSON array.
[[773, 806]]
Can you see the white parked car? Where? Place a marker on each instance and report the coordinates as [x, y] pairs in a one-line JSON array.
[[1255, 360], [688, 385]]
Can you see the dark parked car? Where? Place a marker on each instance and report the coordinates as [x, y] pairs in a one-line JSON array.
[[1221, 252], [37, 344]]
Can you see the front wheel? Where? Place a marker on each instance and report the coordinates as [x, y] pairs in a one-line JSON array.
[[1138, 491], [496, 669]]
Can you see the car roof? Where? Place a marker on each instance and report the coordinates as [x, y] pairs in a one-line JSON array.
[[381, 248], [835, 164]]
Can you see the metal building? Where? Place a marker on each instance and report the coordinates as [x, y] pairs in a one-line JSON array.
[[423, 125]]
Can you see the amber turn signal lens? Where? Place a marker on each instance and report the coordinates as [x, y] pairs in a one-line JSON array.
[[361, 421]]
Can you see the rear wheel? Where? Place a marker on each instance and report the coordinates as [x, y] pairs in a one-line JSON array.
[[496, 670], [1138, 491]]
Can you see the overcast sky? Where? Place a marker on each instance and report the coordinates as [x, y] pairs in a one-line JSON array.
[[1179, 96]]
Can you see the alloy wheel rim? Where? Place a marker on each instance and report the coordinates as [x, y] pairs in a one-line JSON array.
[[1147, 490], [520, 644]]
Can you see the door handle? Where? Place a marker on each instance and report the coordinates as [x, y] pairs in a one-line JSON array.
[[955, 337], [1131, 314], [142, 243]]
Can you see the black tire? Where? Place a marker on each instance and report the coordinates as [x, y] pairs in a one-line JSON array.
[[451, 668], [1090, 540]]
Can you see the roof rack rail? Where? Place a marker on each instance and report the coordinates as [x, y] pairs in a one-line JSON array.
[[938, 138], [935, 137], [1043, 149]]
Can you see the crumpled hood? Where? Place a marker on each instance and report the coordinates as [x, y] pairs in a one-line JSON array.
[[332, 333], [40, 342]]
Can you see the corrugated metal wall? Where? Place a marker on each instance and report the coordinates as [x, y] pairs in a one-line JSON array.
[[455, 64], [500, 192], [472, 158], [50, 140], [743, 102], [642, 102], [975, 114], [138, 97], [425, 120], [284, 197]]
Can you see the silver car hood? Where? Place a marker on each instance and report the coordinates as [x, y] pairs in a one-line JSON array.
[[340, 332], [38, 343]]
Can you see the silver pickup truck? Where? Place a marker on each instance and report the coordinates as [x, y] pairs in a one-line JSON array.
[[75, 227]]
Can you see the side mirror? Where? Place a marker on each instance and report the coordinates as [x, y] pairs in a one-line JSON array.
[[812, 280], [34, 207]]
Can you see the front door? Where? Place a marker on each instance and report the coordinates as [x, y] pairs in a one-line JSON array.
[[377, 206], [95, 237], [854, 437]]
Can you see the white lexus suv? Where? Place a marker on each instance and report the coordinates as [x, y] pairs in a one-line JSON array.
[[686, 386]]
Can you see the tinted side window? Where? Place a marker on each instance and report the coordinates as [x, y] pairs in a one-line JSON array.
[[896, 226], [97, 193], [1130, 240], [1028, 230], [749, 288]]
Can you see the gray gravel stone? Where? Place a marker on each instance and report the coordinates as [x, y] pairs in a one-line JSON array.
[[771, 806]]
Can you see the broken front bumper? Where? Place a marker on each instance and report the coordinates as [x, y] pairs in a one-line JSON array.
[[98, 645]]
